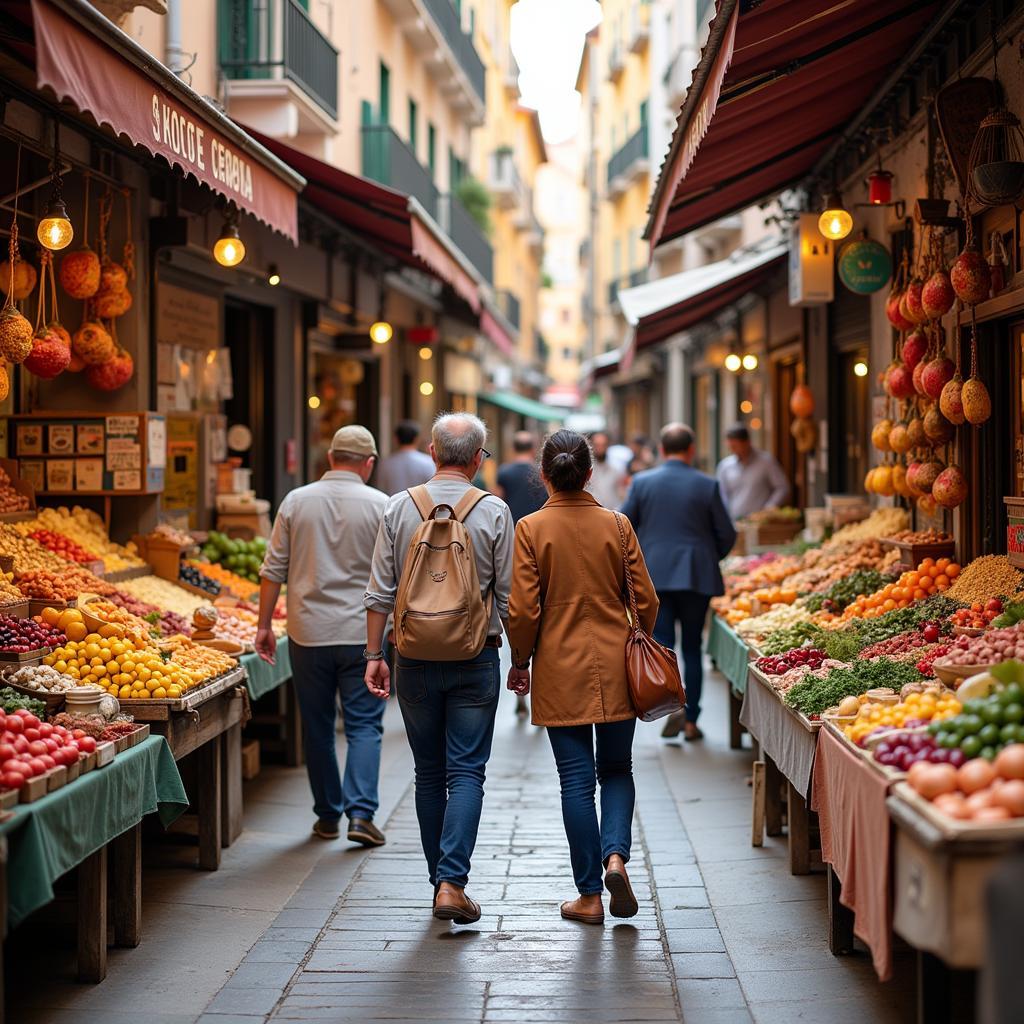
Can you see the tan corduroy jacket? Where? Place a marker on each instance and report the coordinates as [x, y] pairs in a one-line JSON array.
[[567, 610]]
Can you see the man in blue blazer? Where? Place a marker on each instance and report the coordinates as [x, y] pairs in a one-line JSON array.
[[684, 532]]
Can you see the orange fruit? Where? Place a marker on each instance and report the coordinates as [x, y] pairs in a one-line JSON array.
[[942, 581], [75, 630], [919, 594], [952, 570]]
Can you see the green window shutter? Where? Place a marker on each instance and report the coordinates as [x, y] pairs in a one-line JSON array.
[[643, 114], [366, 113], [413, 126], [432, 150], [384, 105]]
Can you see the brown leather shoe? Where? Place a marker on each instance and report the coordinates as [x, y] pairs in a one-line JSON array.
[[673, 725], [365, 833], [691, 733], [587, 909], [616, 881], [452, 904]]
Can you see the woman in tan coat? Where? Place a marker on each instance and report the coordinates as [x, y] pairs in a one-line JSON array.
[[567, 614]]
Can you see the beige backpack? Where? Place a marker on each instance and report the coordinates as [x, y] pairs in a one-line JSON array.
[[439, 612]]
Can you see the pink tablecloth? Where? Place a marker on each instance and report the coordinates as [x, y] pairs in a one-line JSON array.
[[855, 839]]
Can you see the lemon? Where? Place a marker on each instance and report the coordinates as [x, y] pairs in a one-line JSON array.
[[173, 691], [144, 674], [60, 666], [93, 638], [144, 694], [128, 665], [113, 690], [159, 693], [117, 648], [92, 650], [113, 668], [124, 692]]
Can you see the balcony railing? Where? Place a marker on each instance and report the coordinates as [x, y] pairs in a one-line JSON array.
[[461, 43], [467, 236], [387, 159], [639, 26], [624, 160], [638, 277], [506, 186], [508, 303], [276, 39]]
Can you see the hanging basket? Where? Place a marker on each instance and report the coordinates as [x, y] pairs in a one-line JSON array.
[[997, 160]]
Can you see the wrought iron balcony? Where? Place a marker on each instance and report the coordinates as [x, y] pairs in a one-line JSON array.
[[277, 40], [467, 236], [388, 159], [504, 183], [461, 43], [628, 162]]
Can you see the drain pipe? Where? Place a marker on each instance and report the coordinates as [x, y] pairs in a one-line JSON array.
[[173, 53]]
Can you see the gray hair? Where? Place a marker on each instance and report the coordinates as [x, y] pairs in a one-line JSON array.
[[457, 437]]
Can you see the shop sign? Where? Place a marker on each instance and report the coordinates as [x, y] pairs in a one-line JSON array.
[[79, 66], [865, 266]]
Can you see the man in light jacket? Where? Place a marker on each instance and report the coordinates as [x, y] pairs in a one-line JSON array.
[[684, 531], [448, 706]]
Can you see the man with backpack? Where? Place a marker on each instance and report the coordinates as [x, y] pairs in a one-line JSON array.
[[442, 566]]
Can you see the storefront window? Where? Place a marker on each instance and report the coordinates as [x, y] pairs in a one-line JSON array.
[[341, 391]]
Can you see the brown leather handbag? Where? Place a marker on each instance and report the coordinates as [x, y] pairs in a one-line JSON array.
[[652, 670]]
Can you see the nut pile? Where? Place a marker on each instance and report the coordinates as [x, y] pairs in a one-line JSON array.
[[883, 522], [10, 499], [85, 528], [200, 662], [38, 677], [985, 577], [163, 594]]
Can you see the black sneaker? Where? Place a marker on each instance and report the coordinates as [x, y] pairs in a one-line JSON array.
[[365, 833]]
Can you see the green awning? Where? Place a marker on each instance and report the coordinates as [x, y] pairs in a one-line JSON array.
[[525, 406]]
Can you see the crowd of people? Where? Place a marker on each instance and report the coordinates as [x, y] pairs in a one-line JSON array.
[[402, 573]]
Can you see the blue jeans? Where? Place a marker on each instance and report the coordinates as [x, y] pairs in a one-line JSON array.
[[590, 846], [449, 707], [689, 609], [321, 674]]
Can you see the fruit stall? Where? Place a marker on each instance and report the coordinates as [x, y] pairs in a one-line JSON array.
[[884, 694]]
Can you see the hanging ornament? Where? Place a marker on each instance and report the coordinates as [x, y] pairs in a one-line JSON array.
[[15, 330], [49, 356], [80, 270]]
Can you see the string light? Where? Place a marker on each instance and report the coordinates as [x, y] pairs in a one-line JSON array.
[[860, 368], [756, 424], [426, 388], [746, 407], [54, 230], [750, 361], [381, 332], [426, 353], [313, 401], [733, 362]]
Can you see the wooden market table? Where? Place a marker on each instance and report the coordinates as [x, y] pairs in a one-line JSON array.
[[731, 656], [783, 773], [77, 827], [207, 721], [941, 869]]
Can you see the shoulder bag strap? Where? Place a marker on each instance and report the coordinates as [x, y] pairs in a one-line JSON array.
[[422, 500], [468, 502], [627, 574]]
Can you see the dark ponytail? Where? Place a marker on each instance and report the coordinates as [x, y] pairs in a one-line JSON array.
[[565, 460]]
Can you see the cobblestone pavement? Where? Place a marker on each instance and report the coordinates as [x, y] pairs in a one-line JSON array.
[[380, 956]]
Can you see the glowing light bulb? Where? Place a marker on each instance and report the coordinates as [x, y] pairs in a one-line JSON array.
[[426, 353], [229, 250], [426, 388], [313, 402], [733, 362], [381, 332], [756, 424], [273, 275], [750, 361], [835, 221], [746, 407], [860, 368], [55, 231]]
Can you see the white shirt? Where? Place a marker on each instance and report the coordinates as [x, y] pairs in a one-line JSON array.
[[322, 546], [606, 483], [753, 485]]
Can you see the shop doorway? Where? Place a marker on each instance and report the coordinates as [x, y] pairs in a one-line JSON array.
[[249, 337], [787, 373], [850, 429]]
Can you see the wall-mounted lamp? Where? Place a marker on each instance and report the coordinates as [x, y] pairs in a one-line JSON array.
[[273, 275], [835, 221]]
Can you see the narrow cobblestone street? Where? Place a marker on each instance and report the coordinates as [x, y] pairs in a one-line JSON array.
[[725, 934]]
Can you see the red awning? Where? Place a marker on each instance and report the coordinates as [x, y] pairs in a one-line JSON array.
[[378, 214], [776, 86], [84, 58]]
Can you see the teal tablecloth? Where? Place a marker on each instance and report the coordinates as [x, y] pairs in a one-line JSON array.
[[261, 678], [46, 839], [729, 653]]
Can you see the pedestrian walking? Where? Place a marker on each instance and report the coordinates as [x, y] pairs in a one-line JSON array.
[[684, 532], [750, 479], [607, 482], [443, 564], [320, 546], [406, 466], [569, 629]]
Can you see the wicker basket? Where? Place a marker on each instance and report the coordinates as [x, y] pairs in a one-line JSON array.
[[54, 701]]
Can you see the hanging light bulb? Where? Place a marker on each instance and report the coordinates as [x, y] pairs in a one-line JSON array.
[[229, 250], [426, 352], [273, 275], [860, 368], [733, 362], [750, 361], [426, 388], [55, 231], [381, 332], [835, 221]]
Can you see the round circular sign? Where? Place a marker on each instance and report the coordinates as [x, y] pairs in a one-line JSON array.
[[239, 438], [864, 266]]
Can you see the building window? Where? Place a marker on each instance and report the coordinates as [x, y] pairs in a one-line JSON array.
[[413, 129], [643, 114], [617, 258], [566, 313], [456, 170], [567, 353], [384, 104], [431, 150]]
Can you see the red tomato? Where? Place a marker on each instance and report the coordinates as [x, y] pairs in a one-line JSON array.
[[59, 730], [7, 751], [51, 744], [45, 729], [37, 748], [48, 761], [20, 744], [78, 733], [11, 765], [38, 765], [12, 780], [31, 733], [31, 722], [87, 744], [15, 723], [993, 604]]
